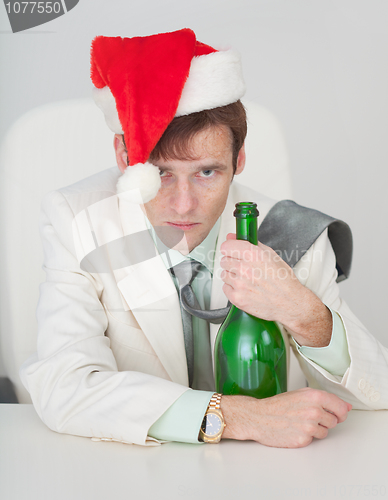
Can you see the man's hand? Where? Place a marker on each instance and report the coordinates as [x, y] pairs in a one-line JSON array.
[[288, 420], [260, 283]]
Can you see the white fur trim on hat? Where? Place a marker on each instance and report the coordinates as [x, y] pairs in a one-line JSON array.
[[106, 102], [139, 183], [214, 80]]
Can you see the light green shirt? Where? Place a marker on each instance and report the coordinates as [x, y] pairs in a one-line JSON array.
[[182, 421]]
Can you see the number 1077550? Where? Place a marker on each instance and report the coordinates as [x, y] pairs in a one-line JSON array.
[[30, 7]]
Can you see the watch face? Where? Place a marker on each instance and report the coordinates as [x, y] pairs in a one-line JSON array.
[[211, 424]]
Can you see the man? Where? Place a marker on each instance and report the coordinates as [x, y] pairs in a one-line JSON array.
[[112, 360]]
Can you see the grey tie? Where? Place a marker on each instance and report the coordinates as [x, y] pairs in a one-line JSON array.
[[185, 272]]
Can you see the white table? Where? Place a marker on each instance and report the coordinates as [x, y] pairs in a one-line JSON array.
[[38, 464]]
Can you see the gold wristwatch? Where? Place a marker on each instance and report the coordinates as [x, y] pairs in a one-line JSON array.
[[213, 423]]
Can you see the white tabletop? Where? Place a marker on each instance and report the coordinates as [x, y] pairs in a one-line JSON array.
[[37, 463]]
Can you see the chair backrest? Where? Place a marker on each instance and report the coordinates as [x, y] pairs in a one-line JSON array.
[[53, 146]]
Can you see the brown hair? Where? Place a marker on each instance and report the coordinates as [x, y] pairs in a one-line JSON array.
[[175, 142]]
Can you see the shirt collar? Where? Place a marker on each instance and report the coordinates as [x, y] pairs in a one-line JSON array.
[[203, 253]]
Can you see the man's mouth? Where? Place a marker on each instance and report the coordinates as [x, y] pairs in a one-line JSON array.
[[185, 226]]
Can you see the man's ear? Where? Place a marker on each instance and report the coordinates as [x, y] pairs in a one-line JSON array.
[[240, 160], [121, 154]]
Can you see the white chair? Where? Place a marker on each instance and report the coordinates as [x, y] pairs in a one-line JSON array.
[[55, 145]]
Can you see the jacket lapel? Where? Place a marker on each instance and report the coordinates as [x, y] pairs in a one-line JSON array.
[[150, 293], [146, 287]]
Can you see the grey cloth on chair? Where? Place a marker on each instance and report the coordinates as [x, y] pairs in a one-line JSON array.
[[291, 229]]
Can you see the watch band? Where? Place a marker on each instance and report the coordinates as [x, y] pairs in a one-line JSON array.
[[215, 401], [213, 411]]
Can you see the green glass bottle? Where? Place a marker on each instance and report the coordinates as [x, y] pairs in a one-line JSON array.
[[249, 353]]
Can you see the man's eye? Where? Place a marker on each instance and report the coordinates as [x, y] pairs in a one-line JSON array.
[[207, 173], [162, 173]]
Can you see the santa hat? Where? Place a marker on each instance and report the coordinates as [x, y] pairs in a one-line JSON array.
[[142, 83]]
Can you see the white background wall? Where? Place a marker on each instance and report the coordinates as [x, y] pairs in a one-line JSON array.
[[319, 65]]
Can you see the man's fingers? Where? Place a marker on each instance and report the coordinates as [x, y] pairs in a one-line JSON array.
[[229, 277], [321, 432], [336, 406], [238, 249], [328, 420], [340, 411], [229, 263], [331, 403]]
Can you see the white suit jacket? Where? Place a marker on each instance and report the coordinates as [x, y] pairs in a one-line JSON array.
[[110, 357]]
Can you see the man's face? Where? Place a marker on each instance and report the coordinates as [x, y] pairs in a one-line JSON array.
[[193, 193]]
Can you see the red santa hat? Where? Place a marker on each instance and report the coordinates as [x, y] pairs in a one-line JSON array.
[[142, 83]]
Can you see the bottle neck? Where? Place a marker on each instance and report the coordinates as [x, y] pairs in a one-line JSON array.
[[246, 229], [246, 214]]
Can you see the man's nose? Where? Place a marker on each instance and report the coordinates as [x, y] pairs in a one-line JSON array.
[[183, 197]]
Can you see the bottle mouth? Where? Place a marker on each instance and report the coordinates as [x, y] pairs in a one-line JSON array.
[[245, 209]]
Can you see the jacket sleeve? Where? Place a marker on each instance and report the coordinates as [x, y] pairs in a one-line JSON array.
[[73, 378], [364, 382]]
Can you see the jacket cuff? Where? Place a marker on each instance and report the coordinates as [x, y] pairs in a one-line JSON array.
[[182, 420]]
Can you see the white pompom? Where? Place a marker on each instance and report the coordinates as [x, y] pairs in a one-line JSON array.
[[139, 183]]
